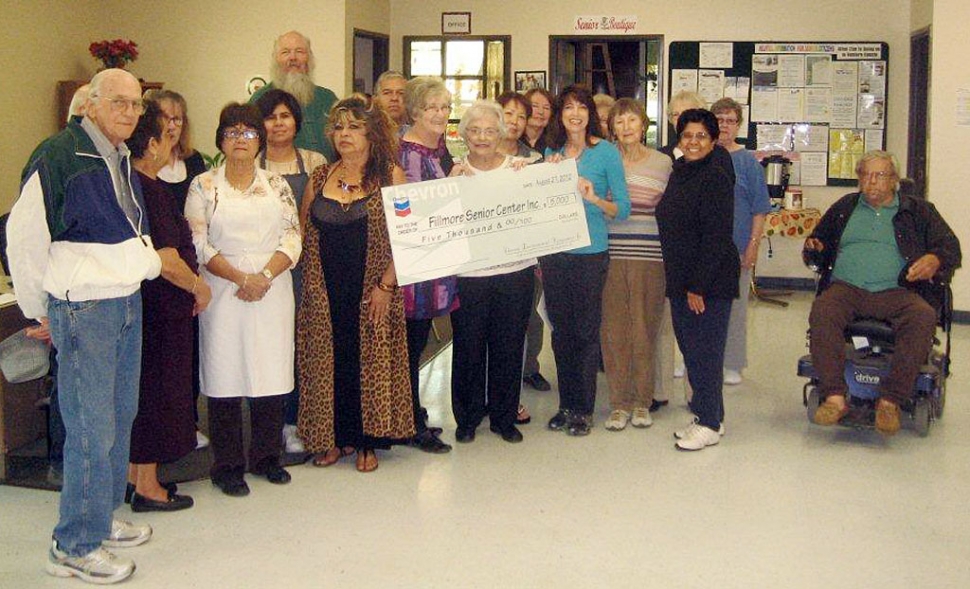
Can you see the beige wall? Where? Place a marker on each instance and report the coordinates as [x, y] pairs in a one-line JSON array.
[[693, 20], [205, 50], [920, 14], [373, 16], [948, 154], [50, 46]]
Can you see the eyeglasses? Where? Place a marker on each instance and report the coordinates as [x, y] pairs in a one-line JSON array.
[[122, 104], [490, 132], [177, 121], [694, 136], [233, 134], [879, 176], [434, 108], [727, 121]]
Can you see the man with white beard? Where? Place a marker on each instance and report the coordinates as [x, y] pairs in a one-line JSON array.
[[292, 71]]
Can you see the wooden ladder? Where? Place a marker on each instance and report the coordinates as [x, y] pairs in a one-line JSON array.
[[606, 69]]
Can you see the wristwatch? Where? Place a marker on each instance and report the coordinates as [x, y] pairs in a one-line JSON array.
[[267, 274]]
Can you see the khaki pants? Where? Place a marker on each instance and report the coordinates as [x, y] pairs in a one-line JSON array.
[[633, 305]]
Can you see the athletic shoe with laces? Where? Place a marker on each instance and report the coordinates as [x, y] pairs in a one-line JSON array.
[[641, 417], [682, 433], [125, 534], [617, 420], [698, 438], [98, 566]]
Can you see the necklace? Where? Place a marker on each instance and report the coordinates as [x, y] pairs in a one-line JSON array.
[[351, 192]]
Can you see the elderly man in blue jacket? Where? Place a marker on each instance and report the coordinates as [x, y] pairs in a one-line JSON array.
[[79, 248]]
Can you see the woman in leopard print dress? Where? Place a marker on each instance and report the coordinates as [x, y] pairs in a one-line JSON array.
[[351, 337]]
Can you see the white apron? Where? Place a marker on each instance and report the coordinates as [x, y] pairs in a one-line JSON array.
[[246, 349]]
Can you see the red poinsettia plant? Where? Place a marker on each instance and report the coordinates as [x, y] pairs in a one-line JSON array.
[[115, 53]]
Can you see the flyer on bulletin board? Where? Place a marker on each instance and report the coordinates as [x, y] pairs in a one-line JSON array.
[[846, 147]]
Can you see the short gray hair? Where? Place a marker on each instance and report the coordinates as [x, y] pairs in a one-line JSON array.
[[480, 109], [686, 96], [100, 77], [311, 60], [388, 75], [878, 154], [417, 91]]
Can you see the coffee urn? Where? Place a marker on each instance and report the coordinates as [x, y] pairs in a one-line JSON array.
[[777, 173]]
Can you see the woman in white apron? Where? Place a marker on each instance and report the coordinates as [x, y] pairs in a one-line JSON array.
[[246, 232], [283, 118]]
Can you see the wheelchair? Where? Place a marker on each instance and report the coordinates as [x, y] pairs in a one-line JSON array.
[[869, 350]]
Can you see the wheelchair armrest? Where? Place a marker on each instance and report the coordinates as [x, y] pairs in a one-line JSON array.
[[873, 329]]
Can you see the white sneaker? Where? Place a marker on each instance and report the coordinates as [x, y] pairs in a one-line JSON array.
[[641, 417], [698, 437], [617, 420], [682, 433], [200, 440], [291, 441], [125, 534], [732, 377], [679, 371], [98, 566]]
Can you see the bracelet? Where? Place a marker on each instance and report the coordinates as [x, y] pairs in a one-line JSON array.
[[195, 284], [386, 287], [245, 280]]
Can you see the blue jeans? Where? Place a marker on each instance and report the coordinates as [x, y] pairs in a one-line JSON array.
[[99, 365]]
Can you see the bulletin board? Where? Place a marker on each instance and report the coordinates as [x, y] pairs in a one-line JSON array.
[[821, 104]]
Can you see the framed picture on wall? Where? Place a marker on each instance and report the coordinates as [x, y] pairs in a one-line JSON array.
[[526, 80]]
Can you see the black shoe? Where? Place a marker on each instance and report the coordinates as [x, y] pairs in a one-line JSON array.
[[172, 489], [465, 435], [579, 425], [273, 472], [510, 434], [231, 483], [428, 441], [140, 504], [559, 421], [537, 381], [656, 405]]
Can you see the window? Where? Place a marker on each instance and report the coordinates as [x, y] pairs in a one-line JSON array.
[[471, 67]]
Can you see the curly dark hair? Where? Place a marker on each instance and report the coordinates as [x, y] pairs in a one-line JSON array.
[[246, 115], [556, 132], [150, 126], [274, 97], [511, 96], [382, 158]]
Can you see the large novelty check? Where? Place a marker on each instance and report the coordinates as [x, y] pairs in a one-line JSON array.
[[454, 225]]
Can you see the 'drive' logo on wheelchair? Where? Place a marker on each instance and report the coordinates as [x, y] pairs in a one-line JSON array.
[[867, 379]]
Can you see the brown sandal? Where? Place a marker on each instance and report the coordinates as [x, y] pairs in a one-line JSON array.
[[328, 458], [366, 461]]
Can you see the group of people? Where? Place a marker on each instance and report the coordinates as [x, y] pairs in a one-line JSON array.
[[269, 279]]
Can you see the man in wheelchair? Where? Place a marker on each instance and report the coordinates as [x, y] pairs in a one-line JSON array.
[[881, 255]]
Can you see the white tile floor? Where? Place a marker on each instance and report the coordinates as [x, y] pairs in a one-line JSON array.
[[778, 504]]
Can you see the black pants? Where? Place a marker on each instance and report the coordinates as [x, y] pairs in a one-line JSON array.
[[418, 330], [574, 299], [701, 339], [226, 432], [489, 331]]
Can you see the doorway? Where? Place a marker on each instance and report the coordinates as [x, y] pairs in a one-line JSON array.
[[919, 93], [623, 66], [371, 59]]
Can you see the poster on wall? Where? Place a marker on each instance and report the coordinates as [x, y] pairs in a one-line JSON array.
[[764, 70], [791, 70], [846, 147], [683, 80], [716, 55], [710, 85], [764, 104], [818, 70]]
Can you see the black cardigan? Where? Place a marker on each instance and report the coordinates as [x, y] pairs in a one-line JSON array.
[[696, 219]]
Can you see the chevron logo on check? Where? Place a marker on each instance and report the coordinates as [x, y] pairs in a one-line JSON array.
[[402, 206]]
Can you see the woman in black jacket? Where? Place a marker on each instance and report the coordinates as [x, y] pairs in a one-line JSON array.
[[701, 267]]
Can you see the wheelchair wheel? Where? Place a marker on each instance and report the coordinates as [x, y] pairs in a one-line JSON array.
[[813, 402], [921, 417]]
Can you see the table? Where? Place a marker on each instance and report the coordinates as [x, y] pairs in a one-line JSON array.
[[792, 224]]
